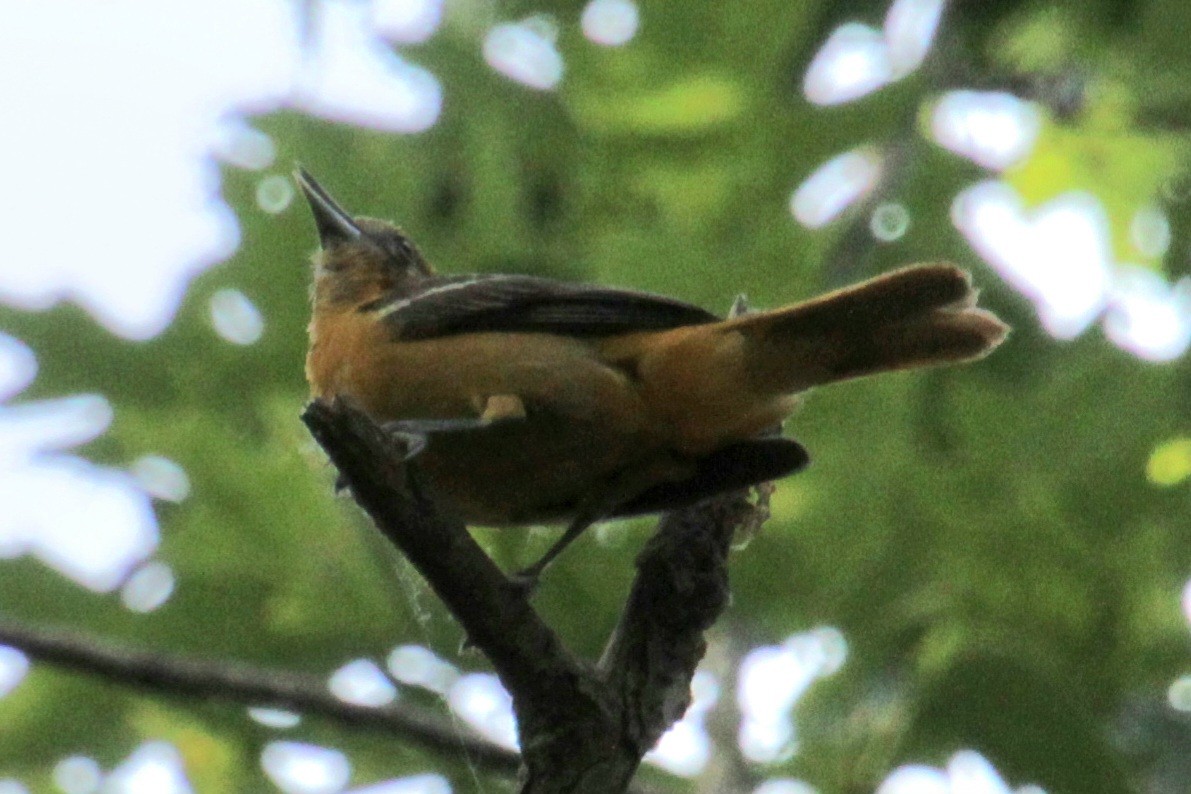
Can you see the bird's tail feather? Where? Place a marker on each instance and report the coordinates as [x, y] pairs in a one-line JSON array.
[[919, 316]]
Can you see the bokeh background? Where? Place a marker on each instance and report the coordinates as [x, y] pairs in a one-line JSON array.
[[980, 586]]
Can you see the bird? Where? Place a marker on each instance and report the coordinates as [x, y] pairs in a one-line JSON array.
[[529, 400]]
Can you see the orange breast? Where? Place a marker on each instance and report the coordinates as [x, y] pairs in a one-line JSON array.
[[340, 343], [586, 420]]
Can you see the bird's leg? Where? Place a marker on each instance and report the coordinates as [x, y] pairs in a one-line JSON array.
[[526, 580], [495, 409], [622, 487], [415, 434]]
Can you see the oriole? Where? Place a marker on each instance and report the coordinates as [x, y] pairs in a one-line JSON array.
[[544, 401]]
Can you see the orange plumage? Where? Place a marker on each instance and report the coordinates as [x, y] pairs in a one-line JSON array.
[[547, 401]]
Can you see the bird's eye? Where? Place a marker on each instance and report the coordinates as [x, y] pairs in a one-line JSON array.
[[334, 264], [400, 250]]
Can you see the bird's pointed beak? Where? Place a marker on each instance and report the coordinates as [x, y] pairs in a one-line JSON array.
[[335, 226]]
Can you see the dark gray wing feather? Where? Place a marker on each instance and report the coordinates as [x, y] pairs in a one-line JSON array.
[[737, 465], [527, 304]]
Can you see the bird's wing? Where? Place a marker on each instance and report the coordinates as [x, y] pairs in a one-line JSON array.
[[737, 465], [527, 304]]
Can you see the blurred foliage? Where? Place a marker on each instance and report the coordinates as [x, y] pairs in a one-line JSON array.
[[986, 538]]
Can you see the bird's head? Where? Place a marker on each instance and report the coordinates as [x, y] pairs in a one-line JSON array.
[[360, 259]]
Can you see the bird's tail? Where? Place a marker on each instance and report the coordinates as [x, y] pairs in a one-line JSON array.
[[919, 316], [734, 379]]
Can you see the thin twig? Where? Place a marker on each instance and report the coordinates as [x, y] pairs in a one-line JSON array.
[[307, 694]]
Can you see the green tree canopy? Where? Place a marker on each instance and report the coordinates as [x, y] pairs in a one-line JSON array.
[[986, 558]]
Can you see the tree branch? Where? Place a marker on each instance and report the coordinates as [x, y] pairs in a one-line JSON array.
[[549, 686], [582, 730], [181, 676], [680, 589]]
